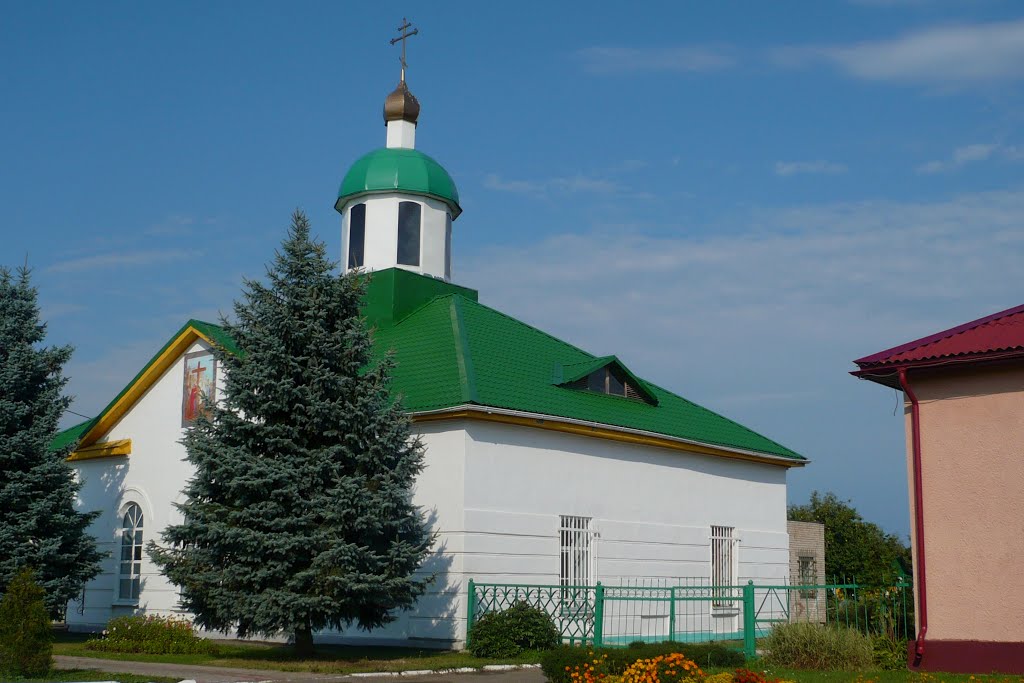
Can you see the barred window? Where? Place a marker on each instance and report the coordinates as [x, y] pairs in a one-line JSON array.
[[577, 559], [130, 573], [723, 563], [807, 566]]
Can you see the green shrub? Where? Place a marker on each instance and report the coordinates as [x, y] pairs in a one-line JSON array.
[[500, 635], [890, 654], [151, 635], [814, 646], [616, 660], [26, 642]]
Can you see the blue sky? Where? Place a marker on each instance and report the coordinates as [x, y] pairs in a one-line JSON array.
[[736, 198]]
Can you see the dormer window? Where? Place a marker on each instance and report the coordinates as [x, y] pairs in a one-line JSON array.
[[603, 376], [409, 233]]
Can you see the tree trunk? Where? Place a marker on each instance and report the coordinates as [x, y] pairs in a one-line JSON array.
[[304, 641]]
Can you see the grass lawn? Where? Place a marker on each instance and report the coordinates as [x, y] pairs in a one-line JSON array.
[[801, 676], [90, 675], [338, 659]]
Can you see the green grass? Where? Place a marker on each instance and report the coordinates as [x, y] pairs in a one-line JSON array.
[[92, 675], [339, 659], [867, 676]]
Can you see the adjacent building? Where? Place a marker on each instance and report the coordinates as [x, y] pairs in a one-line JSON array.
[[963, 393]]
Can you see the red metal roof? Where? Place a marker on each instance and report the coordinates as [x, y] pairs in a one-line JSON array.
[[996, 334]]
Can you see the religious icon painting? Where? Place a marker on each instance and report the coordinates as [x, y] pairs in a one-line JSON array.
[[199, 386]]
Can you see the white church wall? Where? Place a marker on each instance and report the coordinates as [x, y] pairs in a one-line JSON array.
[[152, 477], [651, 509]]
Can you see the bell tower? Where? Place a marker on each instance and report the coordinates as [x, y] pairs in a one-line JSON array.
[[397, 203]]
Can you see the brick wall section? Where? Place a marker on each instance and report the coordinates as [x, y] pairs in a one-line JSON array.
[[806, 539]]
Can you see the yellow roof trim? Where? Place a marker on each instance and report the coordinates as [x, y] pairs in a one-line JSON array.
[[156, 368], [554, 424], [104, 449]]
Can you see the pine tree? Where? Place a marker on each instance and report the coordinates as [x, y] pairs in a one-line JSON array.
[[39, 526], [299, 516]]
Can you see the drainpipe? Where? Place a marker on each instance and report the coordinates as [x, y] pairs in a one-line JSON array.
[[915, 438]]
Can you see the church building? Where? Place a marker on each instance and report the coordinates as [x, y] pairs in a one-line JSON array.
[[544, 464]]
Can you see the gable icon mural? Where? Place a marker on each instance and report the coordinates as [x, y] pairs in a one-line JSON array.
[[199, 385]]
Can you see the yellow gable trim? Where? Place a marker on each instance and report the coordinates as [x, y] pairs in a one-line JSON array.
[[603, 433], [157, 367], [104, 449]]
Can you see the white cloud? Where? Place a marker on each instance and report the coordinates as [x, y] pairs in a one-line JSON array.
[[121, 259], [970, 154], [687, 59], [787, 168], [567, 184], [943, 56]]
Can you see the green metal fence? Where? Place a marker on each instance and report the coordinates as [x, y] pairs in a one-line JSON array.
[[692, 610]]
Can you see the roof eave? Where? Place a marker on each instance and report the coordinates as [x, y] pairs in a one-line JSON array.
[[345, 199], [603, 430]]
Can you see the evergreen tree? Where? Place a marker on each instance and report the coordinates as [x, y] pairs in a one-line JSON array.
[[39, 526], [299, 516]]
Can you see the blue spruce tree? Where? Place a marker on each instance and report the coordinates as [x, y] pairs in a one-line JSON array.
[[300, 514], [39, 526]]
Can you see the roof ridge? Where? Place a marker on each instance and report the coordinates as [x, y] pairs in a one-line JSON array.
[[463, 355], [881, 356]]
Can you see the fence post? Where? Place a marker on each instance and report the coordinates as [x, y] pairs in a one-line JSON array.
[[470, 609], [598, 615], [672, 613], [749, 627]]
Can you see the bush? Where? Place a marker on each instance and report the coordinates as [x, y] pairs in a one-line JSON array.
[[151, 635], [890, 654], [672, 668], [500, 635], [813, 646], [26, 642], [558, 664]]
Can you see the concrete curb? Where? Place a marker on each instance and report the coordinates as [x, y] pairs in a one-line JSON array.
[[444, 672]]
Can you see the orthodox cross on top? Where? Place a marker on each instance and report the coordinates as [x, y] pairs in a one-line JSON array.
[[405, 35]]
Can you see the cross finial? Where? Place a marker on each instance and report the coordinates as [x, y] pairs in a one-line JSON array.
[[404, 29]]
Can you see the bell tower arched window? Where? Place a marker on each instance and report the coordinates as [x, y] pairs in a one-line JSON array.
[[130, 572], [356, 235], [409, 217]]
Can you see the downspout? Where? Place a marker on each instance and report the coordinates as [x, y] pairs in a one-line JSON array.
[[915, 439]]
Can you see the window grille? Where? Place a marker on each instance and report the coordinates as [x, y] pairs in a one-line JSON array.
[[723, 563], [607, 381], [808, 575], [130, 573], [577, 559]]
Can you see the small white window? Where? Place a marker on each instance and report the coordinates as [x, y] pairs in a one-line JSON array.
[[577, 557], [130, 573], [723, 565]]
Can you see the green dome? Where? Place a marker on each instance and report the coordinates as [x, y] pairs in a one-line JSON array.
[[394, 169]]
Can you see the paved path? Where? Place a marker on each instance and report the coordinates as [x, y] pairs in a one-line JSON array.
[[218, 674]]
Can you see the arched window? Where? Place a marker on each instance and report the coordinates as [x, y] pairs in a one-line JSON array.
[[130, 573], [409, 233], [448, 246], [356, 235]]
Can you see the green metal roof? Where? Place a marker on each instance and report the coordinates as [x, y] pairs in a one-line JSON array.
[[399, 170], [450, 351]]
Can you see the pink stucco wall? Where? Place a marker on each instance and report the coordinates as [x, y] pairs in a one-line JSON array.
[[972, 440]]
